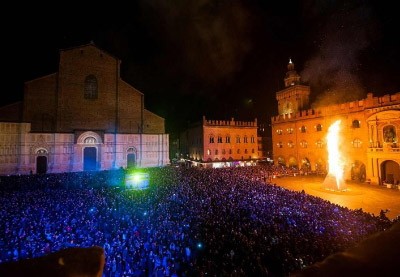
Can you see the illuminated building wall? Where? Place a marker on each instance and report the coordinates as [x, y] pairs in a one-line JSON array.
[[83, 117], [221, 141], [369, 134]]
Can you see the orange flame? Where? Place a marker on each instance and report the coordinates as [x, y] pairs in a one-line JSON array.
[[334, 157]]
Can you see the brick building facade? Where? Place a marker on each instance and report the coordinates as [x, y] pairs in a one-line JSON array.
[[369, 133], [83, 117], [219, 143]]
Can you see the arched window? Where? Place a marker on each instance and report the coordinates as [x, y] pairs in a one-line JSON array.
[[303, 129], [245, 139], [237, 139], [211, 139], [227, 139], [279, 131], [303, 144], [356, 123], [357, 143], [319, 143], [389, 134], [91, 87], [290, 144], [219, 139], [318, 127], [279, 144]]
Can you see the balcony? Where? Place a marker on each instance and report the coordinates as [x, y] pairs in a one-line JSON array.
[[387, 147]]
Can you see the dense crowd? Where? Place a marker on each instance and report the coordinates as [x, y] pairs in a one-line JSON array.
[[189, 222]]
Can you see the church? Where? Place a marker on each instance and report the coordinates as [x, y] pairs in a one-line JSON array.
[[369, 136], [82, 117]]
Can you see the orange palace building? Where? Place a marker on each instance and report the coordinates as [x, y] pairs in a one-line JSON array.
[[220, 143], [368, 135]]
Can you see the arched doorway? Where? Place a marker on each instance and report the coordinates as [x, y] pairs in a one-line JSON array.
[[292, 162], [320, 167], [131, 157], [390, 172], [131, 160], [89, 158], [358, 171], [41, 160], [305, 165], [41, 164]]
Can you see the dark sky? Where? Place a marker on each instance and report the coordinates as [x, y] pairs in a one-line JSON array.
[[221, 59]]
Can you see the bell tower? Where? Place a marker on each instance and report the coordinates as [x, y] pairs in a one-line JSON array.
[[292, 78], [295, 96]]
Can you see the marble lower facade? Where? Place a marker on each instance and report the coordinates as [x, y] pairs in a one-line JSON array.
[[25, 152]]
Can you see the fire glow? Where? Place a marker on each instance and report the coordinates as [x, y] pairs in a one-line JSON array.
[[334, 179]]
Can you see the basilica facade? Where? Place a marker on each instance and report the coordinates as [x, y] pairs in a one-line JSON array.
[[82, 117], [369, 133]]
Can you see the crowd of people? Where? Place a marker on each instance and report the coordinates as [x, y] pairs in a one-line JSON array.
[[188, 222]]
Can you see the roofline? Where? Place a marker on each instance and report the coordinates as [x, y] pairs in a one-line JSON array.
[[131, 86], [155, 114], [45, 76], [11, 104], [90, 44]]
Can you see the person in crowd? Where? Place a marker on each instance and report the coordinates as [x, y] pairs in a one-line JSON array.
[[189, 222]]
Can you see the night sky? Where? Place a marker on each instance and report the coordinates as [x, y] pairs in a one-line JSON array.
[[221, 59]]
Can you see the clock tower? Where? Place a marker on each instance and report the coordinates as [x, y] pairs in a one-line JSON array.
[[295, 96]]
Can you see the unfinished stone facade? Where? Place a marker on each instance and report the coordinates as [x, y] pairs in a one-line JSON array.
[[83, 117]]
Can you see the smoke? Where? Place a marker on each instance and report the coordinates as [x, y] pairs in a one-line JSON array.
[[207, 40], [333, 71]]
